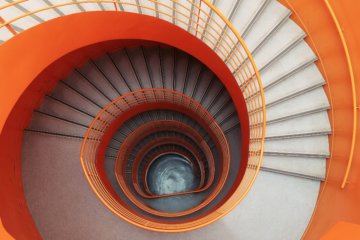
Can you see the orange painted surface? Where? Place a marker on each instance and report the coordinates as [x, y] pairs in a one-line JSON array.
[[334, 203], [343, 230], [47, 55]]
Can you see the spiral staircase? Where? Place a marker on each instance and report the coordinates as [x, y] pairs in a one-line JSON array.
[[142, 138]]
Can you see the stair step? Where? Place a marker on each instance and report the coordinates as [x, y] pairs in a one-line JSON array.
[[315, 178], [137, 60], [318, 145], [56, 108], [93, 73], [167, 66], [299, 114], [318, 121], [111, 152], [182, 66], [300, 82], [270, 17], [286, 38], [121, 61], [287, 96], [204, 84], [230, 125], [86, 88], [152, 57], [40, 132], [310, 100], [70, 96], [297, 135], [296, 165], [195, 71], [226, 6], [47, 123], [110, 71], [299, 54], [244, 13], [296, 154]]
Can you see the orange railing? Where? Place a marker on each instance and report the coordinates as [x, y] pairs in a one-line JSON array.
[[201, 19], [164, 125], [156, 126], [113, 110]]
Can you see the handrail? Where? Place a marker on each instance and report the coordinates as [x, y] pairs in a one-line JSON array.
[[161, 125], [353, 89], [110, 113], [153, 146], [12, 30], [135, 199], [172, 97], [204, 22], [12, 3]]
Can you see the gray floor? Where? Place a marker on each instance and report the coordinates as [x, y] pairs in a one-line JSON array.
[[63, 205]]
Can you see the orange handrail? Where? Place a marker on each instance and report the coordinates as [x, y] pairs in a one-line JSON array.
[[163, 125], [164, 95], [12, 3], [201, 23]]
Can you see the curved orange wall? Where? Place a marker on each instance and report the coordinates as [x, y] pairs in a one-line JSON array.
[[335, 204], [26, 82]]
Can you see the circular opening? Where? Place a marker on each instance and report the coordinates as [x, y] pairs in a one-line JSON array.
[[171, 173]]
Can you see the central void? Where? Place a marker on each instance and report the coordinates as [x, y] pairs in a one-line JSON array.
[[172, 173]]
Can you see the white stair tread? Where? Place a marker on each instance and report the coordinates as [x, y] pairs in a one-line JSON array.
[[286, 35], [5, 34], [313, 167], [272, 14], [304, 79], [309, 100], [35, 5], [91, 7], [268, 204], [315, 145], [69, 9], [297, 55], [316, 122], [13, 12], [245, 13], [108, 6], [225, 6]]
